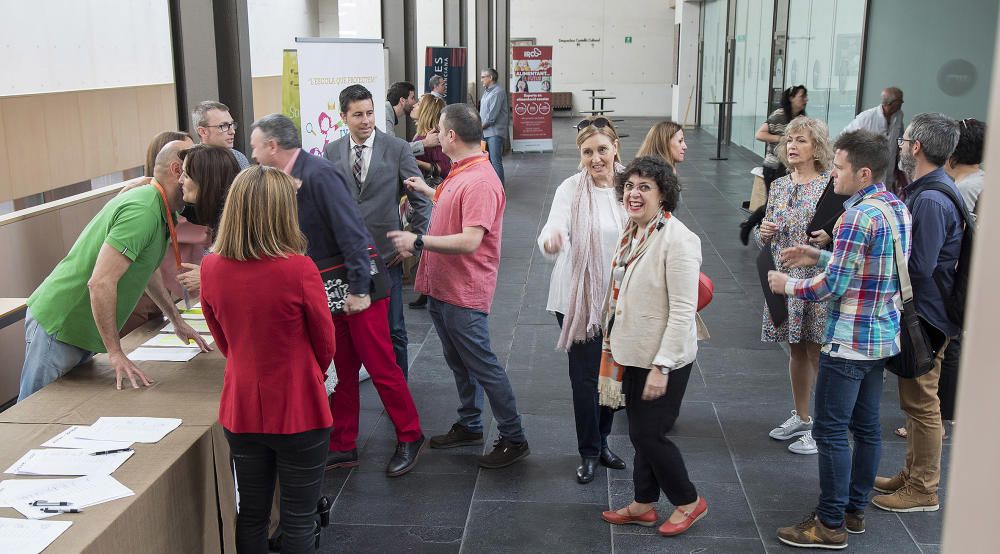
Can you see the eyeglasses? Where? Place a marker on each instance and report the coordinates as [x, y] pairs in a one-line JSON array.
[[901, 140], [599, 122], [222, 127]]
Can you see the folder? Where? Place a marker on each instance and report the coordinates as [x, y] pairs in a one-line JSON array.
[[777, 304]]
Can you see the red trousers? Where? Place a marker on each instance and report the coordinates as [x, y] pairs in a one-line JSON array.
[[363, 338]]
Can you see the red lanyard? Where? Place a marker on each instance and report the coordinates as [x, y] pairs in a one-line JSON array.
[[170, 224], [455, 170]]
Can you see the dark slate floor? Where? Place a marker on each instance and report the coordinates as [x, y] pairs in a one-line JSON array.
[[738, 392]]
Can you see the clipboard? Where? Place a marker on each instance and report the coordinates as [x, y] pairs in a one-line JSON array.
[[777, 304]]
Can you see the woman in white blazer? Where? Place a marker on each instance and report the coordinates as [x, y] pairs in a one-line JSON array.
[[581, 234], [652, 338]]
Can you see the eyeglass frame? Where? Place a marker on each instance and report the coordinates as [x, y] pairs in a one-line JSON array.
[[231, 125], [598, 122], [901, 140]]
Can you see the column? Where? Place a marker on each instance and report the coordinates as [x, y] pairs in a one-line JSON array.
[[684, 102]]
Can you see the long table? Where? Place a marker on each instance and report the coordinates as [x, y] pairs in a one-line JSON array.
[[184, 491]]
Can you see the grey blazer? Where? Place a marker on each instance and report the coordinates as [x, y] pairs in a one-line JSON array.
[[379, 195]]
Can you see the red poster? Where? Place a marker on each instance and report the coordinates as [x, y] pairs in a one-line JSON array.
[[531, 105]]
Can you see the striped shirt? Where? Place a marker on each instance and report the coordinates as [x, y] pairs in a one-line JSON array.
[[859, 276]]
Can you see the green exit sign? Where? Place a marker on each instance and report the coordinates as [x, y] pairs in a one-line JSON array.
[[628, 39]]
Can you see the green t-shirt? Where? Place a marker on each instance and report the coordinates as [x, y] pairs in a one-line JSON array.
[[133, 224]]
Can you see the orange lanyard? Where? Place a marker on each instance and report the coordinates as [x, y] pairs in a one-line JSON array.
[[455, 170], [170, 224]]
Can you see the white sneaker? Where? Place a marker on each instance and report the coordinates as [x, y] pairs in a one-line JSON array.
[[805, 445], [791, 428]]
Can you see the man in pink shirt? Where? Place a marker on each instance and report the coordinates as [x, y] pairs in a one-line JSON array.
[[458, 273]]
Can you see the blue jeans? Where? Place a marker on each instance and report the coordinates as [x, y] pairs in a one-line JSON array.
[[847, 398], [397, 325], [45, 358], [465, 340], [495, 147]]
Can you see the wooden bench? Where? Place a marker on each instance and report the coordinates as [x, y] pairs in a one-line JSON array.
[[562, 100]]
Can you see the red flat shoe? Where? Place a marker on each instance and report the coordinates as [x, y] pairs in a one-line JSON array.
[[647, 519], [670, 529]]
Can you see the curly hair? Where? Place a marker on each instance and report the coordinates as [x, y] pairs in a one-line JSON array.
[[969, 150], [818, 134], [656, 169]]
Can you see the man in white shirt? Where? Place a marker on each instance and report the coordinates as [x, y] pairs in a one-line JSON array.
[[885, 119], [437, 86]]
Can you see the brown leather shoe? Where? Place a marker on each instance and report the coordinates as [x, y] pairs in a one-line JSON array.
[[811, 533], [670, 529], [646, 519], [907, 499], [889, 485]]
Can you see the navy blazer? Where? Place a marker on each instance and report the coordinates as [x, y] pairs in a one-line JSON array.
[[331, 220]]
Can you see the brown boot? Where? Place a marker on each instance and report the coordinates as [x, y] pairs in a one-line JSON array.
[[907, 499], [889, 485]]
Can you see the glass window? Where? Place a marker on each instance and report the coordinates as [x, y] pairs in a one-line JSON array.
[[754, 20], [713, 62]]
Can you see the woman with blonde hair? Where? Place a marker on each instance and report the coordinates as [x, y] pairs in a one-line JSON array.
[[267, 309], [806, 149], [580, 234], [665, 140]]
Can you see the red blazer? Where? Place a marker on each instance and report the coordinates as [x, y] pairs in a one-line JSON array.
[[271, 321]]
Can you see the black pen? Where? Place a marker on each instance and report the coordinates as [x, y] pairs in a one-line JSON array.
[[62, 511], [48, 503], [103, 452]]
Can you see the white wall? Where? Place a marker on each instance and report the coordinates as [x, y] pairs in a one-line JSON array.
[[430, 32], [274, 24], [360, 18], [637, 74], [682, 106], [63, 45]]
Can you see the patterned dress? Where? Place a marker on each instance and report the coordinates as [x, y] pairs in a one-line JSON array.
[[792, 207]]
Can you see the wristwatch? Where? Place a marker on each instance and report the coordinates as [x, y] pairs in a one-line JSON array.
[[418, 244], [663, 369]]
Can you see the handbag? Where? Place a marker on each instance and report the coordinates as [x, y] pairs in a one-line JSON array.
[[706, 289], [917, 352], [333, 273]]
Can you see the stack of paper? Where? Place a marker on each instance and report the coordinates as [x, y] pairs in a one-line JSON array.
[[71, 438], [78, 493], [29, 537], [130, 429], [199, 325], [193, 313], [67, 462], [165, 340]]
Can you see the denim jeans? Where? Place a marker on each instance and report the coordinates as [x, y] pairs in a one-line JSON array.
[[45, 358], [465, 340], [397, 325], [847, 398], [299, 462], [593, 421], [495, 147]]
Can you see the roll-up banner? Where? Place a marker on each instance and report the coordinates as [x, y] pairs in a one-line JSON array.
[[531, 98], [290, 88], [449, 63], [326, 67]]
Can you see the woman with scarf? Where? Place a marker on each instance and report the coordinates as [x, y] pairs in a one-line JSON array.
[[584, 224], [651, 339]]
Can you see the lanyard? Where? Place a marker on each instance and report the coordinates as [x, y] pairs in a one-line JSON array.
[[170, 224], [455, 170]]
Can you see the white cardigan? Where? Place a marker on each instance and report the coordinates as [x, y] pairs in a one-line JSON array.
[[656, 322], [610, 219]]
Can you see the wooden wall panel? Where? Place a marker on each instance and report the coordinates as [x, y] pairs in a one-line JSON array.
[[266, 96], [129, 145], [6, 188], [24, 131], [157, 112], [61, 113], [95, 120]]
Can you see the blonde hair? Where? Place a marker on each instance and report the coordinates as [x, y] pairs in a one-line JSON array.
[[260, 218], [430, 114], [657, 141], [591, 130], [818, 133]]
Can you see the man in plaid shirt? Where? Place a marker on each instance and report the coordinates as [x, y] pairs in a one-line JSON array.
[[859, 279]]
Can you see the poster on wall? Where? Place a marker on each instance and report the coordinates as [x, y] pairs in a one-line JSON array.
[[531, 98], [326, 67], [449, 63], [290, 88]]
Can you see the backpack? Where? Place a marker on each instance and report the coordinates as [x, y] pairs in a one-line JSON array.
[[955, 298]]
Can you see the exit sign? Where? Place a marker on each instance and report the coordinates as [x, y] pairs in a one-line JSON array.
[[628, 39]]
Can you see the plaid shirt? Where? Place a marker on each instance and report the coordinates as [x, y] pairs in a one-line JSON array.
[[860, 274]]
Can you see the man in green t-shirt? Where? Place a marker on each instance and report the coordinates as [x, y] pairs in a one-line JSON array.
[[80, 307]]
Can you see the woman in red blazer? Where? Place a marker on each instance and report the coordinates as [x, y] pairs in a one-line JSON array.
[[267, 309]]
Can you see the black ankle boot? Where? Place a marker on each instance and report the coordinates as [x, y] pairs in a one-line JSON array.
[[585, 473]]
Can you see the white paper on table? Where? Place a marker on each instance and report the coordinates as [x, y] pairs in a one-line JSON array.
[[199, 325], [193, 313], [67, 462], [27, 536], [70, 438], [80, 493], [157, 354], [173, 341], [12, 489], [135, 429]]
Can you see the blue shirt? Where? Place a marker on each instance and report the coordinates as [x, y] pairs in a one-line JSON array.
[[937, 243], [493, 112]]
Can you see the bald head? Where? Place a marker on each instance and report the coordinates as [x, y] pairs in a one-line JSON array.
[[164, 169]]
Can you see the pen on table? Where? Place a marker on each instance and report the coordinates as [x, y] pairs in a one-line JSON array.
[[103, 452], [48, 503], [61, 511]]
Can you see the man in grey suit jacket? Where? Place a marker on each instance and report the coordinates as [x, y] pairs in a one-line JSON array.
[[376, 164]]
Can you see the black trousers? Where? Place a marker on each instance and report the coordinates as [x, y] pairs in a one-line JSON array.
[[299, 462], [593, 421], [948, 382], [658, 464]]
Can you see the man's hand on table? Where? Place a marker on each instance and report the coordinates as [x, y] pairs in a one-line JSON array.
[[125, 367], [187, 334]]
